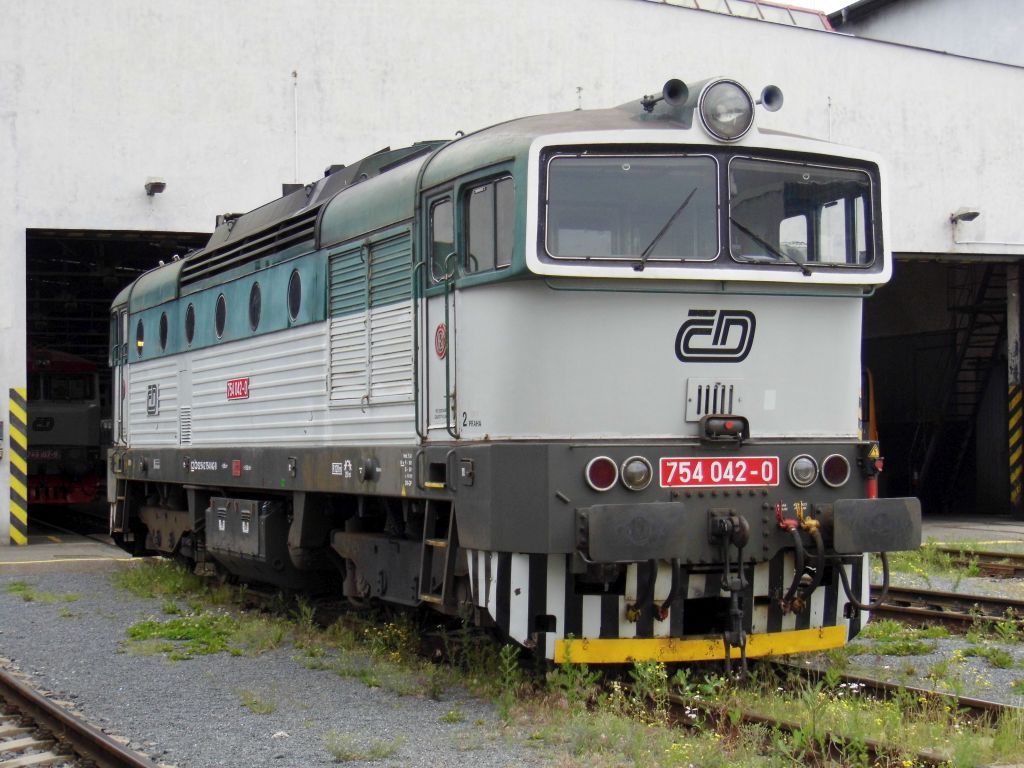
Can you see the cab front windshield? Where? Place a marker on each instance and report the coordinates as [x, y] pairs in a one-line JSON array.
[[788, 212], [651, 209], [660, 208]]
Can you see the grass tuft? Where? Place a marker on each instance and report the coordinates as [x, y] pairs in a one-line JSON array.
[[345, 748], [159, 578], [255, 703], [196, 634], [30, 594]]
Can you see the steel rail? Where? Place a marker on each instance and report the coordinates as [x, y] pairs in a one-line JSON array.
[[833, 744], [1004, 565], [953, 608], [85, 740], [883, 688]]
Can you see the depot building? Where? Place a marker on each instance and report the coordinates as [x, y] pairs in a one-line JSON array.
[[127, 128]]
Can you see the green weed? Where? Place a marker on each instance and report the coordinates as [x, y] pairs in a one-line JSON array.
[[452, 716], [345, 748], [510, 679], [158, 578], [255, 703], [198, 634], [997, 657], [575, 682], [30, 594]]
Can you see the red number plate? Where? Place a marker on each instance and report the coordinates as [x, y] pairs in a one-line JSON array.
[[703, 472]]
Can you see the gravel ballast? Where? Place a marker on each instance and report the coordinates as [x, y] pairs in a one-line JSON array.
[[190, 713]]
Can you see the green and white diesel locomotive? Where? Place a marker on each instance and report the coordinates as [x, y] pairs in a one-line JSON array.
[[590, 377]]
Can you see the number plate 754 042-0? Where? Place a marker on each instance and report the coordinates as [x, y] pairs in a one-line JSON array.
[[706, 472]]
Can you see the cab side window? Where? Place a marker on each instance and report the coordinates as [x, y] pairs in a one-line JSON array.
[[490, 217], [442, 236]]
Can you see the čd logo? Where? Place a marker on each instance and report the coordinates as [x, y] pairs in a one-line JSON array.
[[716, 336]]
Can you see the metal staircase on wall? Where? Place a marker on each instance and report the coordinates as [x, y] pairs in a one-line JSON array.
[[976, 299]]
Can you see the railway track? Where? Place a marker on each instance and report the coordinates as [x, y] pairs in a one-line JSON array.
[[823, 747], [826, 744], [952, 609], [881, 689], [35, 731], [1003, 565]]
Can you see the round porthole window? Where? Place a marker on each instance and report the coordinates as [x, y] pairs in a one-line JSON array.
[[163, 331], [255, 301], [221, 315], [190, 323], [139, 338], [294, 294]]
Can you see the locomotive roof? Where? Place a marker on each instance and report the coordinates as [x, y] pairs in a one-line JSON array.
[[514, 137], [380, 191]]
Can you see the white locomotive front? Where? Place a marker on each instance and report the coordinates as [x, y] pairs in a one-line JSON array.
[[595, 375]]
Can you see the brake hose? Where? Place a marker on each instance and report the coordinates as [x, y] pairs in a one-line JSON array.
[[798, 569], [881, 595], [819, 566]]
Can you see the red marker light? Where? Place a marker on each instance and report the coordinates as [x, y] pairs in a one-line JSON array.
[[601, 473]]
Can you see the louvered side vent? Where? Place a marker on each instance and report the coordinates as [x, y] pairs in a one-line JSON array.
[[347, 308], [370, 306], [390, 329], [296, 234], [391, 354], [708, 396], [185, 425]]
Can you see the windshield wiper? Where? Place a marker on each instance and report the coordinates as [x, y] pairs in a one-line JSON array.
[[661, 233], [772, 250]]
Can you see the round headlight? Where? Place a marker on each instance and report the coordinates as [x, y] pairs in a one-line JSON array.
[[601, 473], [803, 470], [835, 470], [726, 110], [636, 473]]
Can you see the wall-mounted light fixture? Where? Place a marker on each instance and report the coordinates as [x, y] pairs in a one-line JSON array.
[[155, 185], [964, 213]]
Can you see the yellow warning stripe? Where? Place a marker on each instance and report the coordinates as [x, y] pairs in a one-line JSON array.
[[17, 537], [1015, 420], [667, 649], [19, 463], [20, 514], [18, 412], [18, 470]]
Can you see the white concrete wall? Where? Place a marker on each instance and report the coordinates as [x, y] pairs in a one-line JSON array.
[[95, 97], [983, 29]]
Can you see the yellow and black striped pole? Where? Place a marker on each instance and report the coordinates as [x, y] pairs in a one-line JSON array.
[[1015, 412], [1015, 392], [19, 466]]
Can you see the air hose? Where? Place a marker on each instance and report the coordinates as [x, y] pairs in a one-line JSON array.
[[882, 594]]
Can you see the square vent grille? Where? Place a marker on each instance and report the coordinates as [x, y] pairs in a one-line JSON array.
[[707, 396]]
